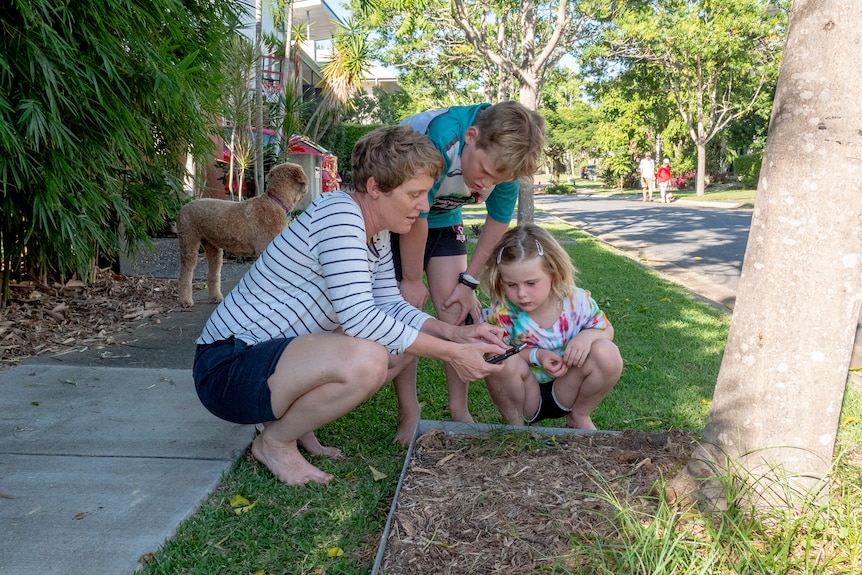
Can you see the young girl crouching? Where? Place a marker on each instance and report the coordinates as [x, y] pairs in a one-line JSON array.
[[570, 363]]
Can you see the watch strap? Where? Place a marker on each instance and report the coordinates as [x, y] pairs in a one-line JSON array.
[[468, 280]]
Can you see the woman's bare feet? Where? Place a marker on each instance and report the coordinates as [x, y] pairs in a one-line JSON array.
[[310, 443], [286, 463]]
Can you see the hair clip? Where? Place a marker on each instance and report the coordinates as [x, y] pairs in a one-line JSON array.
[[539, 249], [500, 255]]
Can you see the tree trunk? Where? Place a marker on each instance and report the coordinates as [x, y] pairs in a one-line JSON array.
[[526, 209], [779, 392], [700, 174], [258, 97]]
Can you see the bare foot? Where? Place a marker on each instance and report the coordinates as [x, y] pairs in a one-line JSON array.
[[286, 463], [574, 421], [310, 443], [460, 414], [406, 428]]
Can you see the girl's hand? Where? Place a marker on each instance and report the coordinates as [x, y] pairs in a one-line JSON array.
[[552, 363], [578, 349]]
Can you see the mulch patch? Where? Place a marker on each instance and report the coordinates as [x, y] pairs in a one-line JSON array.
[[495, 504]]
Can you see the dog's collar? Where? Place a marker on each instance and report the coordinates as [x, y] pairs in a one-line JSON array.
[[280, 203]]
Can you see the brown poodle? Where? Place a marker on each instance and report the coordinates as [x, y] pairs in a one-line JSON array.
[[242, 228]]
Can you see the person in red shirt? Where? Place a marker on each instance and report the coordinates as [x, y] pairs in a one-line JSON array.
[[663, 178]]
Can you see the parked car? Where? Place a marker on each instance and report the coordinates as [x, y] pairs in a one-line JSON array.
[[589, 172]]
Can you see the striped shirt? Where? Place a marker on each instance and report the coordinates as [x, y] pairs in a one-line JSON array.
[[319, 274]]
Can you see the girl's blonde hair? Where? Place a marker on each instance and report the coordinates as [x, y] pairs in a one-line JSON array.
[[526, 242]]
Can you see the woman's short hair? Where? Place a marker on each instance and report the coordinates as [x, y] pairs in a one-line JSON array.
[[512, 136], [526, 242], [392, 155]]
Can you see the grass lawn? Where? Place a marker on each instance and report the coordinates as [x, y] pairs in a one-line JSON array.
[[715, 193], [672, 344]]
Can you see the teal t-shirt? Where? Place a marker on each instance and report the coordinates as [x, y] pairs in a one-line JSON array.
[[445, 128]]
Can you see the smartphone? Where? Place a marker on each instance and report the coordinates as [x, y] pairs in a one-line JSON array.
[[508, 353]]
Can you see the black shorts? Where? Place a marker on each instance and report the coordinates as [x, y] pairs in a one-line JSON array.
[[231, 378], [549, 408], [448, 241]]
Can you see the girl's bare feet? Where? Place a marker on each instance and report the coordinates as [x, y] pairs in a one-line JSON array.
[[579, 422], [286, 463]]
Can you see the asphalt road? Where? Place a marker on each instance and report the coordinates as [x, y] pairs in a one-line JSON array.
[[700, 248]]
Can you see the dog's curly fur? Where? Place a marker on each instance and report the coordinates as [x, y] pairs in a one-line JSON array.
[[242, 228]]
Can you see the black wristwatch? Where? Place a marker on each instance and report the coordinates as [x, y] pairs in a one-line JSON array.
[[468, 280]]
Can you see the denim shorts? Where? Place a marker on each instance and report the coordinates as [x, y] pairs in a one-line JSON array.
[[231, 378], [448, 241]]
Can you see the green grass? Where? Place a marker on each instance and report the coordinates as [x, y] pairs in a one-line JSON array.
[[671, 343]]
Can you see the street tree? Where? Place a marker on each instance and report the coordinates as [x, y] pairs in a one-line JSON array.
[[774, 418], [99, 104], [714, 58]]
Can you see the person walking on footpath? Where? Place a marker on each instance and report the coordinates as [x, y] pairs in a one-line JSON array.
[[488, 150], [318, 325], [663, 177], [570, 363], [647, 170]]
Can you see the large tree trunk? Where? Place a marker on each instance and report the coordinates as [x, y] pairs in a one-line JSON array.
[[526, 208], [778, 398]]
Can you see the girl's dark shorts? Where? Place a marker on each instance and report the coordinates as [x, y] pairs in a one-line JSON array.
[[231, 378], [448, 241], [548, 407]]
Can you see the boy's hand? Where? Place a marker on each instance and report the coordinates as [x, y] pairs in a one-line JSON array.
[[414, 292], [468, 301]]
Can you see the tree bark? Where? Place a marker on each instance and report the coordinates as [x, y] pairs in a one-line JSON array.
[[774, 418]]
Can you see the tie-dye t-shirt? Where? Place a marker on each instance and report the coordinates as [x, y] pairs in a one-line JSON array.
[[580, 312]]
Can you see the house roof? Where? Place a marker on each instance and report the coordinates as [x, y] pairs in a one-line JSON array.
[[324, 21]]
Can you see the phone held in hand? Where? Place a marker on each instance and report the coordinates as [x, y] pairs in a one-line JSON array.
[[508, 353]]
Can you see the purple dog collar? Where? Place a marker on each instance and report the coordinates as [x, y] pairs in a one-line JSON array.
[[279, 202]]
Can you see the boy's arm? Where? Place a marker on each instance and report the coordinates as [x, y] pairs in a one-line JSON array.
[[412, 247]]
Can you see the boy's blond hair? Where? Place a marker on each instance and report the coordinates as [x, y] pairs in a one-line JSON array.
[[512, 136], [526, 242], [392, 155]]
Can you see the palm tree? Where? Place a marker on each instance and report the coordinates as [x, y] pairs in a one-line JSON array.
[[342, 75]]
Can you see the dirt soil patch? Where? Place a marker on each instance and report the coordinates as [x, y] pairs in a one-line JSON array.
[[511, 503], [64, 318]]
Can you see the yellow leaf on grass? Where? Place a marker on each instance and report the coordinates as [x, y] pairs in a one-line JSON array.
[[850, 419], [259, 572], [705, 402], [665, 299], [241, 505], [376, 475], [335, 551]]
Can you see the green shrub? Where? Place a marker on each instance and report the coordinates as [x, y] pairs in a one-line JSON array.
[[341, 139], [559, 189], [748, 169]]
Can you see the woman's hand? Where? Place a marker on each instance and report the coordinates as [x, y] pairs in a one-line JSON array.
[[469, 361], [483, 332]]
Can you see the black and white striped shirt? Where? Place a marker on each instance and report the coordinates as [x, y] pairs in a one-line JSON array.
[[315, 276]]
